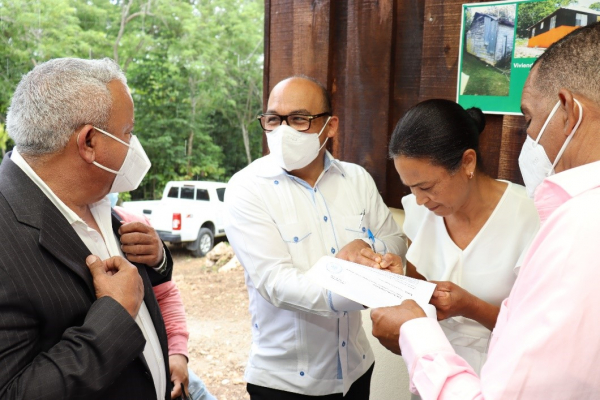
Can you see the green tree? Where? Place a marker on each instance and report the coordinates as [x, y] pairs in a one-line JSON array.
[[4, 141], [194, 69], [595, 6]]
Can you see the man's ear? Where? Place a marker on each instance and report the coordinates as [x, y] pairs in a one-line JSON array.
[[332, 127], [570, 110], [86, 141]]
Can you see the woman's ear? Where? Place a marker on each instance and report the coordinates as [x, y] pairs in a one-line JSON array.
[[469, 161], [86, 140]]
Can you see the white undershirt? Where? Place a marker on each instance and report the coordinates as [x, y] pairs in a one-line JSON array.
[[105, 245]]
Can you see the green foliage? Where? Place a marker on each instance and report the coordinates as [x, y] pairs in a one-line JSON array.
[[4, 141], [595, 6], [533, 11], [194, 69]]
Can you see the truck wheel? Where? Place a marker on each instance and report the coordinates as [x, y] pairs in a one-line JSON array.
[[203, 244]]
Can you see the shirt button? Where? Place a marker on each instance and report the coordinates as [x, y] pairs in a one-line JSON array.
[[276, 182], [325, 218], [315, 190], [301, 373], [332, 250], [364, 229], [364, 357], [295, 239], [256, 326], [343, 344]]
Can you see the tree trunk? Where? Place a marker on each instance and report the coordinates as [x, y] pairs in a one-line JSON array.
[[246, 141], [190, 142]]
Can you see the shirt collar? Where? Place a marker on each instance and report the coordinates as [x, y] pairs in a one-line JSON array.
[[558, 189], [270, 169], [69, 214]]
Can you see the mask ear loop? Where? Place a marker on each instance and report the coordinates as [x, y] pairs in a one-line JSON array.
[[564, 147], [322, 129], [547, 122], [118, 140]]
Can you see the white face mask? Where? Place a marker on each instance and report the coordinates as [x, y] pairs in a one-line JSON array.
[[292, 149], [534, 162], [134, 167]]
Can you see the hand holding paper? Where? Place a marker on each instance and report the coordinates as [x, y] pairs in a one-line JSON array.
[[371, 287], [388, 320]]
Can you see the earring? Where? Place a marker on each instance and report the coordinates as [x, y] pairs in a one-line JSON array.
[[471, 175]]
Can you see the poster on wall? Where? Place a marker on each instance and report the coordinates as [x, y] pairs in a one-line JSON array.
[[500, 41]]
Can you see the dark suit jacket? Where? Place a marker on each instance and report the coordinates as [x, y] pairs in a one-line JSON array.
[[57, 341]]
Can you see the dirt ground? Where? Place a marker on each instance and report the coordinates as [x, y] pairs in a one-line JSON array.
[[216, 306]]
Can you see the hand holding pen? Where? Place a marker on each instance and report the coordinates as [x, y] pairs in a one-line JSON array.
[[389, 262]]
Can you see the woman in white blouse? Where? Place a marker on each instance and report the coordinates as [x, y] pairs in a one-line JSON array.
[[468, 232]]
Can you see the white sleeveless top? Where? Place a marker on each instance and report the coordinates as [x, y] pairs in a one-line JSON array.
[[486, 268]]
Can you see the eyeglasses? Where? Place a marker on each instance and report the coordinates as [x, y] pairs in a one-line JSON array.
[[299, 122]]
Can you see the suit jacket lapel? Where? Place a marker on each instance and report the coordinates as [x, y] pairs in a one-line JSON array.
[[151, 303], [31, 207], [60, 239]]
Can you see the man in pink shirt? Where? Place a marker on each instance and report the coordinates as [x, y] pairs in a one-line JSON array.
[[546, 341]]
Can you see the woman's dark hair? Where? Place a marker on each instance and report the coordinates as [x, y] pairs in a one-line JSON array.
[[439, 130]]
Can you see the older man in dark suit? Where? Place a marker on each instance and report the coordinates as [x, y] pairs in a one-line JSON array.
[[77, 320]]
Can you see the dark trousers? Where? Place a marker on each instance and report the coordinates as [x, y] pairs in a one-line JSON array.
[[358, 391]]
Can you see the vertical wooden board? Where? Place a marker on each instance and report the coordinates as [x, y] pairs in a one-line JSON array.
[[299, 39], [296, 42], [406, 78], [490, 143], [337, 83], [362, 85], [267, 54], [311, 39], [281, 41], [441, 40], [513, 136]]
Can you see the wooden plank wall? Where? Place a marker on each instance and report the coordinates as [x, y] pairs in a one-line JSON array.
[[378, 58]]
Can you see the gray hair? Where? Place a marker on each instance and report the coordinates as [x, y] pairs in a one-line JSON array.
[[56, 98]]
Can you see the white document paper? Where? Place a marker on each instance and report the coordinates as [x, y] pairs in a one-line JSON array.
[[369, 286]]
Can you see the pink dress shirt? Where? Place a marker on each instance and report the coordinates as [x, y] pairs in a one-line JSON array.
[[546, 343], [169, 302]]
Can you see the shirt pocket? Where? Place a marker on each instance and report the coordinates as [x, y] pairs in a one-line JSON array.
[[298, 237], [355, 227]]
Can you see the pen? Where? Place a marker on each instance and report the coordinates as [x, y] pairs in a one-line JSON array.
[[362, 216], [372, 239]]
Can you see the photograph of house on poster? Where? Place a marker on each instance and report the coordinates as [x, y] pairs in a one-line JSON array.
[[500, 41]]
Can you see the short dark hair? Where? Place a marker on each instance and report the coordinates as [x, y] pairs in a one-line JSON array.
[[440, 131], [324, 92], [573, 63]]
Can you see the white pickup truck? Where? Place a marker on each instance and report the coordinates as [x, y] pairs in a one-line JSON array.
[[190, 212]]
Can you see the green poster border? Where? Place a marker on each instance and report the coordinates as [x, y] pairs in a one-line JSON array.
[[505, 105]]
